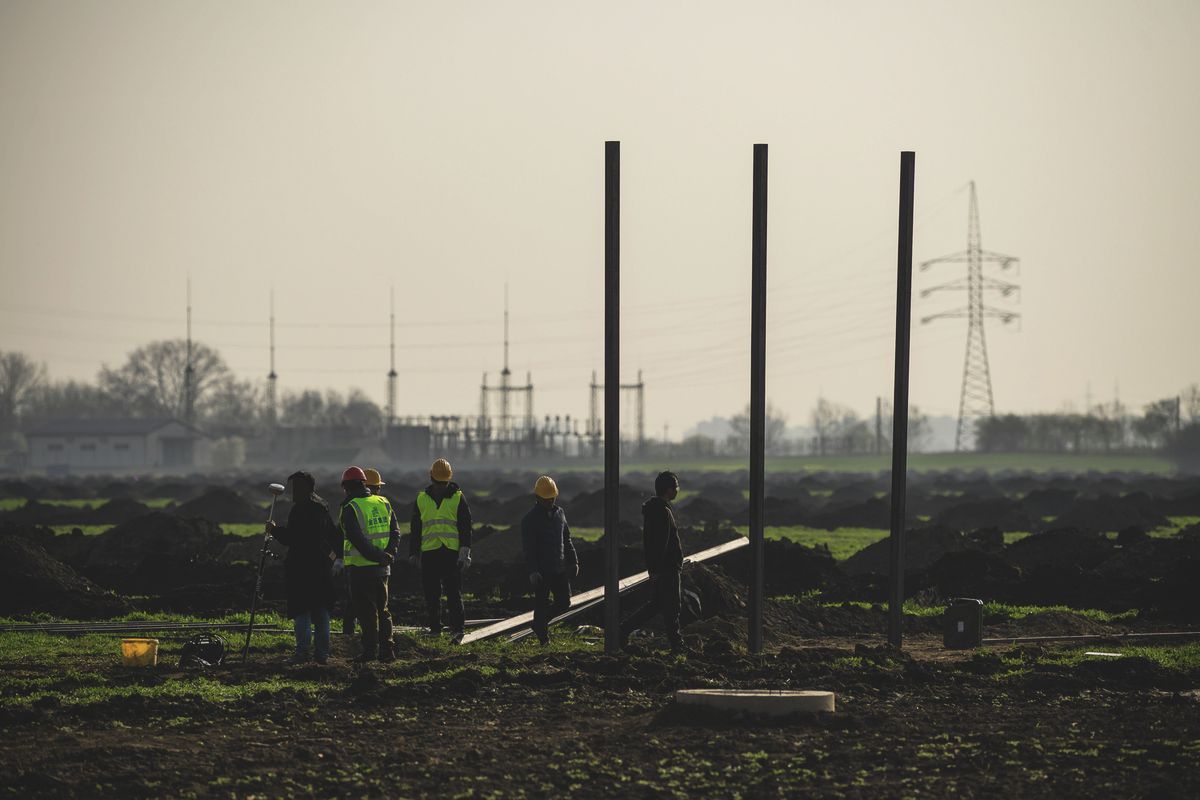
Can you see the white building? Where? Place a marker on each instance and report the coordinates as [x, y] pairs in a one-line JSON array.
[[75, 446]]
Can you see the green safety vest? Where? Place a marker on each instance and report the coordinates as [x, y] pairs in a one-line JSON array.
[[375, 519], [439, 524]]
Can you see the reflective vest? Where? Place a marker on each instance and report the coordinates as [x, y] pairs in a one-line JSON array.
[[375, 520], [439, 524]]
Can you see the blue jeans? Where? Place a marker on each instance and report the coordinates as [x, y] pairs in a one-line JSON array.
[[304, 633]]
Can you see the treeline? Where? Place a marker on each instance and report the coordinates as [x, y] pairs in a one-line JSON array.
[[151, 383], [1168, 425]]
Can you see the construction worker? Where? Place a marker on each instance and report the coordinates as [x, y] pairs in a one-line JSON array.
[[374, 482], [371, 537], [664, 561], [312, 540], [549, 556], [440, 542]]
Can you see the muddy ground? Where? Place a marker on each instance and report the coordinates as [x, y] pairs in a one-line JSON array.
[[517, 721], [582, 724]]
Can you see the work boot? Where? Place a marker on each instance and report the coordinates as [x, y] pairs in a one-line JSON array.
[[456, 637], [386, 654], [364, 657]]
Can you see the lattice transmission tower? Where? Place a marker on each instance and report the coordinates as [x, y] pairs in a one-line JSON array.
[[975, 401]]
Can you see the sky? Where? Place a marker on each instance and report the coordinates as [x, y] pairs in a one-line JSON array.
[[332, 153]]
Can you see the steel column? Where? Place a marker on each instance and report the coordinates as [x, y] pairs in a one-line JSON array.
[[612, 392], [900, 398], [758, 390]]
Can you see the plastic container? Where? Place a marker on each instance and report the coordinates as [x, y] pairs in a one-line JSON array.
[[963, 624], [139, 652]]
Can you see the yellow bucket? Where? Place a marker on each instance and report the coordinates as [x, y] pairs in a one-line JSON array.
[[139, 652]]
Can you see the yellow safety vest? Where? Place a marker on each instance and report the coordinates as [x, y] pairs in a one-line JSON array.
[[375, 519], [439, 524]]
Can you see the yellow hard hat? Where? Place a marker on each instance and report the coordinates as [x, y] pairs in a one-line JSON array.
[[373, 477], [441, 471], [546, 488]]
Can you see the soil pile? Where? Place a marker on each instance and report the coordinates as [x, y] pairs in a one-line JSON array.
[[118, 510], [998, 512], [923, 546], [587, 510], [32, 581], [873, 513], [220, 505], [1184, 504], [1048, 502], [1110, 513], [1061, 548], [700, 509], [177, 548], [969, 573]]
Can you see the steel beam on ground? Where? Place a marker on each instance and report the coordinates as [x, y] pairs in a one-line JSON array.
[[758, 390], [612, 392], [586, 600], [900, 398]]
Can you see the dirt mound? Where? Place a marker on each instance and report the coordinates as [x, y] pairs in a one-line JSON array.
[[220, 504], [789, 569], [116, 555], [1184, 504], [700, 509], [32, 581], [970, 573], [118, 510], [1110, 513], [1048, 502], [723, 613], [1063, 547], [587, 510], [997, 512], [873, 513], [725, 496], [923, 546]]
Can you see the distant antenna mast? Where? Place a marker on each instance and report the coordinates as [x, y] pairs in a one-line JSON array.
[[505, 376], [272, 378], [189, 371], [975, 401], [391, 384]]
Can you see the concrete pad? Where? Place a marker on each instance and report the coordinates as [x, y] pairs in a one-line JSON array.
[[756, 702]]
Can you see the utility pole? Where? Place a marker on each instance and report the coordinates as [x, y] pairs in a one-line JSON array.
[[272, 378], [878, 426], [975, 400], [189, 371], [391, 382]]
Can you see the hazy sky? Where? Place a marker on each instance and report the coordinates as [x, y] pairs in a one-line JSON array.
[[331, 150]]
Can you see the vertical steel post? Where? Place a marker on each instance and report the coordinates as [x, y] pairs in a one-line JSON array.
[[900, 398], [758, 390], [612, 392]]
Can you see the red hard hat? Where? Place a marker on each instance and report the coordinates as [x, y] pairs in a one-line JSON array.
[[354, 474]]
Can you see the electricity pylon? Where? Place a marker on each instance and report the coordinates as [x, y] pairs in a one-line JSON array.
[[975, 401]]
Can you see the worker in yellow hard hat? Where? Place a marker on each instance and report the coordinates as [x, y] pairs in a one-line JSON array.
[[374, 480], [550, 556], [439, 541]]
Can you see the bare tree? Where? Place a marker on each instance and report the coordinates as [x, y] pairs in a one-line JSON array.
[[72, 399], [19, 377], [776, 426], [152, 380]]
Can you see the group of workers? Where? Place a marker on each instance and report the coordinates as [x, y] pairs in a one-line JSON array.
[[365, 544]]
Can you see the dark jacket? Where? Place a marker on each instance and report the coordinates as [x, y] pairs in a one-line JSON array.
[[312, 541], [440, 493], [354, 532], [660, 537], [546, 540]]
